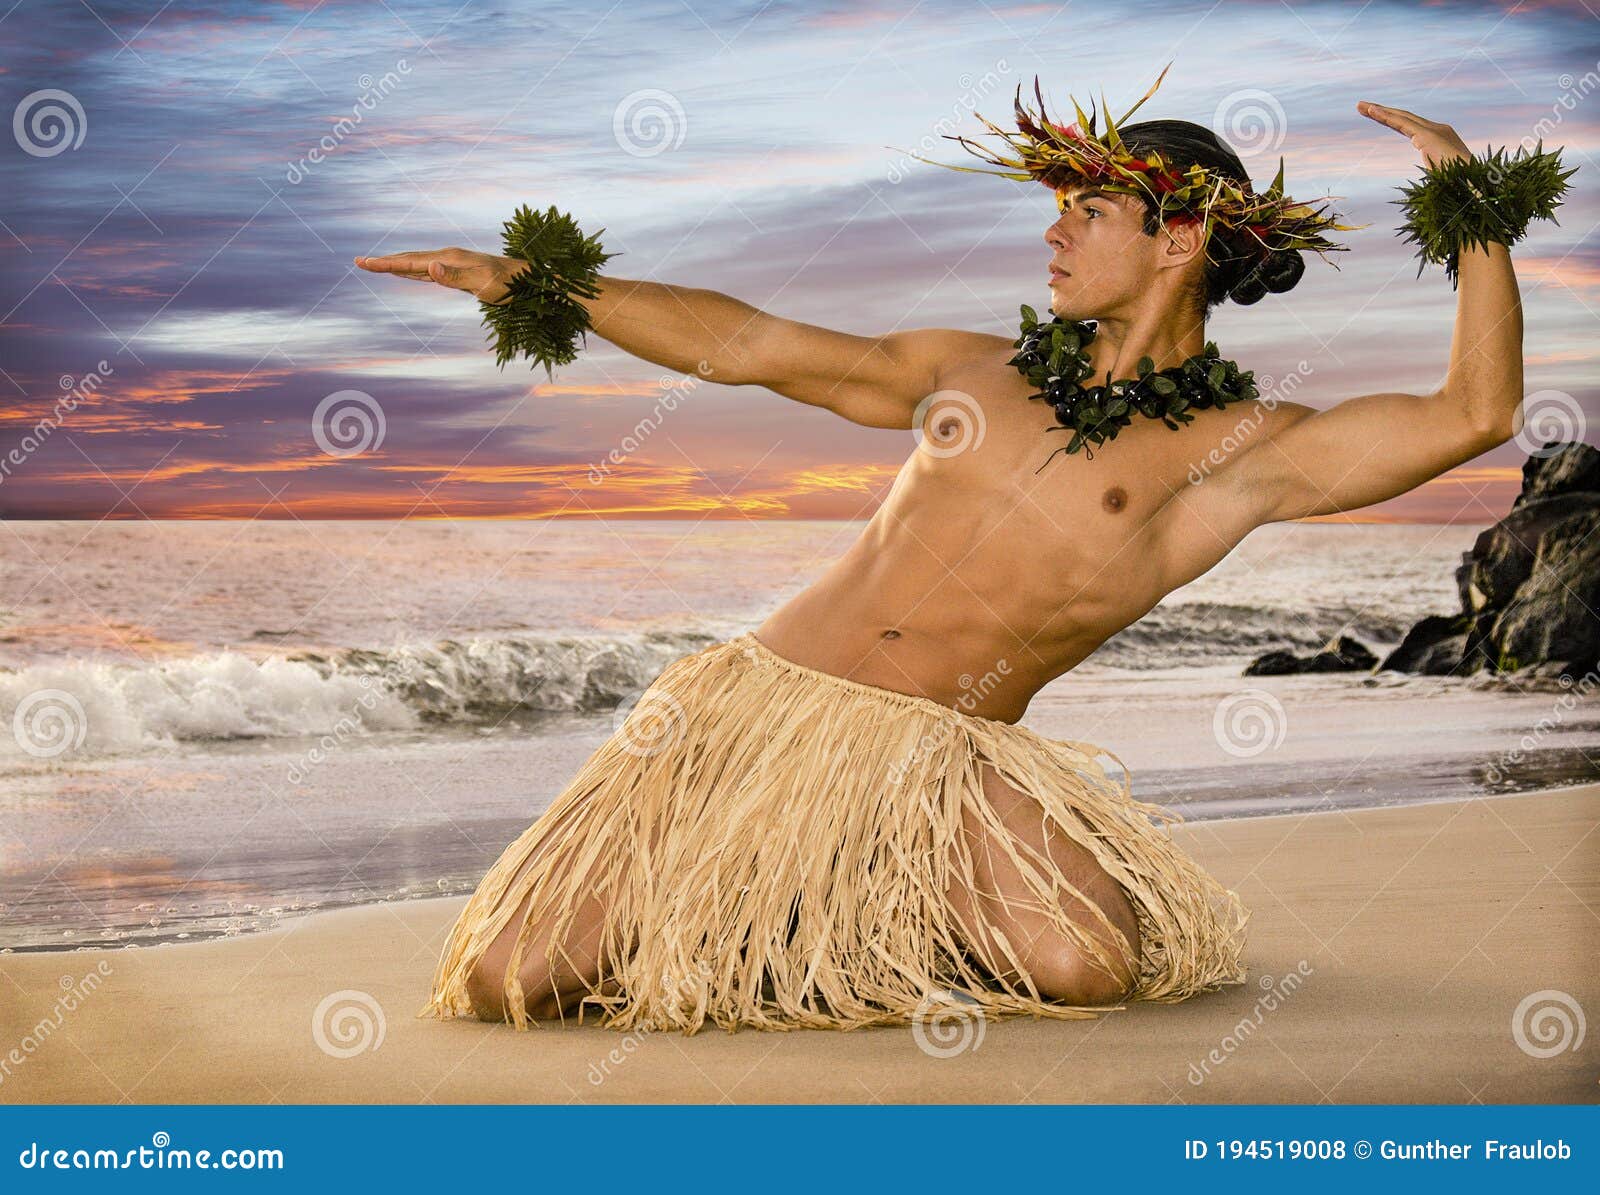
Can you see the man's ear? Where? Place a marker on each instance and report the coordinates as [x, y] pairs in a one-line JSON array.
[[1184, 241]]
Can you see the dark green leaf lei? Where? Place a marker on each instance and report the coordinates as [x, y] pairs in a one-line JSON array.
[[1052, 357], [1471, 201], [540, 318]]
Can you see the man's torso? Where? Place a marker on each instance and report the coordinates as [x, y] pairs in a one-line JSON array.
[[982, 576]]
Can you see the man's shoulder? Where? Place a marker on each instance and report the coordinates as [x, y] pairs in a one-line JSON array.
[[943, 355], [989, 341], [1282, 413], [957, 344], [1237, 462], [952, 350], [1253, 430]]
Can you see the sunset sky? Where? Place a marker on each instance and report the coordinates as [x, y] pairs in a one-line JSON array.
[[192, 241]]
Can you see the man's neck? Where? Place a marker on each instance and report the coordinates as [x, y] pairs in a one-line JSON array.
[[1119, 343]]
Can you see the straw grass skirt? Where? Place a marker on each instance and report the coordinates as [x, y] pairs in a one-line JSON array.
[[772, 845]]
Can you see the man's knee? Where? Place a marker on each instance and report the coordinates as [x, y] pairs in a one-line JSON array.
[[485, 988], [1067, 976]]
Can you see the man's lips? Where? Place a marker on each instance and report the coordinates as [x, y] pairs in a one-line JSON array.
[[1055, 273]]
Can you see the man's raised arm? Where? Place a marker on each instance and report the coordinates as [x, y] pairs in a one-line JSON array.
[[1377, 446], [873, 380]]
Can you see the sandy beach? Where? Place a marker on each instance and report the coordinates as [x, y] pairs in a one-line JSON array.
[[1389, 952]]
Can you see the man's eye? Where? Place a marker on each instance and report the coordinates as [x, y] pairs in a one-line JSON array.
[[1093, 210]]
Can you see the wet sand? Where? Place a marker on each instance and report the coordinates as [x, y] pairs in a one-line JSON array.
[[1389, 952]]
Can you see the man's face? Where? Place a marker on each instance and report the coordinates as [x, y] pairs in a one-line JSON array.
[[1100, 243]]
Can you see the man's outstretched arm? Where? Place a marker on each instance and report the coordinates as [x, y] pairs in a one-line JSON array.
[[873, 380], [1377, 446]]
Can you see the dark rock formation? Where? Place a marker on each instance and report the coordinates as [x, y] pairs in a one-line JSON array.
[[1530, 585], [1574, 468], [1435, 646], [1345, 656], [1553, 616]]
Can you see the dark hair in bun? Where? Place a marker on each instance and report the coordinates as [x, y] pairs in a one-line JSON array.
[[1272, 273], [1235, 268]]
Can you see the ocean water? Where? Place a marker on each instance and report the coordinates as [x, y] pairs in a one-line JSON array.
[[207, 726]]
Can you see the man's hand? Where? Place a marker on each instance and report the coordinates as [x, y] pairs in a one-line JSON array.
[[483, 275], [1438, 142]]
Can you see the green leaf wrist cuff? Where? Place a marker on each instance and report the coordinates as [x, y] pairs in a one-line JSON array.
[[540, 317], [1467, 202]]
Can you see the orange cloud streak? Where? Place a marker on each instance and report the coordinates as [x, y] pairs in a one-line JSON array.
[[1569, 271]]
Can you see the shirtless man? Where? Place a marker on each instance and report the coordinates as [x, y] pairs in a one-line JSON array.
[[977, 555]]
